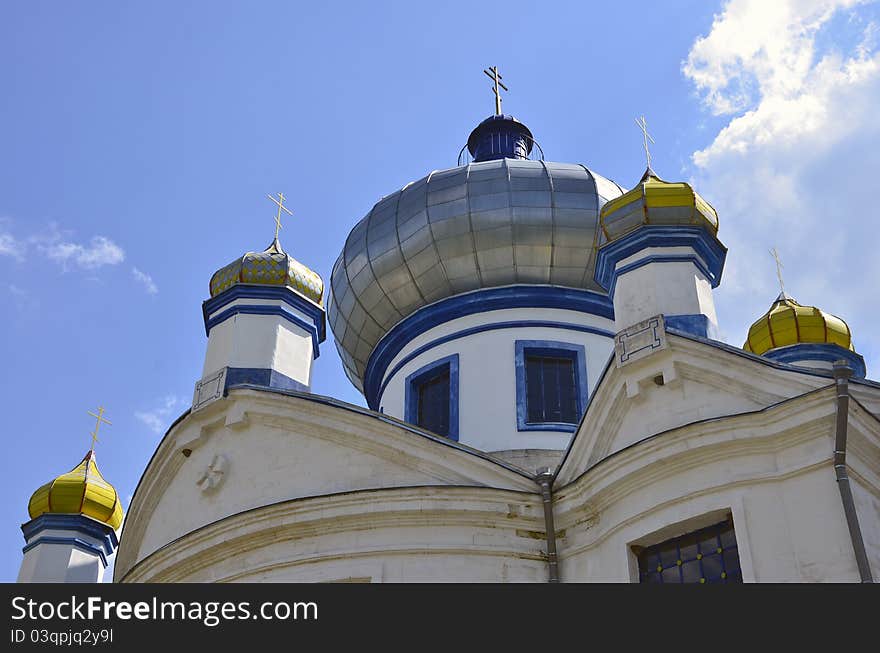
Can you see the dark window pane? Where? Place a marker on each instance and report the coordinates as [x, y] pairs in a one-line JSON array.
[[433, 407], [534, 390], [568, 392], [668, 556], [688, 549], [651, 563], [551, 389], [731, 561], [690, 572], [728, 539], [701, 560], [712, 566], [709, 544], [671, 575]]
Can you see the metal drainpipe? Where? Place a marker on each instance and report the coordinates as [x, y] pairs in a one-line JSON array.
[[544, 479], [842, 372]]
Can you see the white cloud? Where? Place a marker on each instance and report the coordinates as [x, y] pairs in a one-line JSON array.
[[146, 280], [758, 49], [157, 420], [9, 246], [56, 244], [100, 251], [797, 82]]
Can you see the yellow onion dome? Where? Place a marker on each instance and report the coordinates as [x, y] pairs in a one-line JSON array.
[[271, 267], [656, 202], [788, 323], [80, 491]]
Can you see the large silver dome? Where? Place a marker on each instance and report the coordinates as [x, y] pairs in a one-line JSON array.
[[492, 223]]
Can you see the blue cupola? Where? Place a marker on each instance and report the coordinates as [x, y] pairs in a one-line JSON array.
[[500, 137]]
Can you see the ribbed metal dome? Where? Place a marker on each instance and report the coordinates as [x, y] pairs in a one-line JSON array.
[[492, 223], [271, 267], [81, 491], [789, 323], [654, 201]]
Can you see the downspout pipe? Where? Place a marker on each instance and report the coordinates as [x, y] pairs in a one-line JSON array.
[[544, 479], [842, 372]]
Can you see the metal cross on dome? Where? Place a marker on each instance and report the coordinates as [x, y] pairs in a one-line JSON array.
[[779, 267], [281, 207], [100, 418], [643, 125], [495, 76]]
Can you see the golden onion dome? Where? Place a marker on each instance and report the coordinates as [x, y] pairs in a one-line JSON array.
[[656, 202], [80, 491], [271, 267], [789, 323]]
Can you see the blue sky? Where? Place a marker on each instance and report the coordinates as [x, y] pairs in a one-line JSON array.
[[139, 143]]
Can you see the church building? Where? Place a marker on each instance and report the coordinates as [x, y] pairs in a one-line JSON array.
[[547, 401]]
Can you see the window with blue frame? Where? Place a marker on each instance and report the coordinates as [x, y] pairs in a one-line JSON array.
[[432, 397], [708, 555], [551, 385]]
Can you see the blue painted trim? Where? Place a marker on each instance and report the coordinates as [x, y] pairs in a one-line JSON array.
[[260, 376], [250, 291], [88, 547], [267, 310], [425, 373], [101, 532], [695, 323], [818, 352], [472, 303], [549, 348], [707, 247], [510, 324]]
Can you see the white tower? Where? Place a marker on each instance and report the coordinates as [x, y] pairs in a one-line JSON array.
[[72, 532], [659, 254], [264, 322]]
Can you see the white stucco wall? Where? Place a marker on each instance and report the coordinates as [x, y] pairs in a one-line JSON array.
[[683, 383], [866, 496], [279, 448], [263, 342], [688, 433], [672, 288], [487, 374], [427, 534], [318, 492], [55, 562], [787, 514], [430, 517]]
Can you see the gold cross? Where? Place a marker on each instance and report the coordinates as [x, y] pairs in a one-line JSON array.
[[496, 77], [281, 207], [643, 125], [779, 267], [100, 418]]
